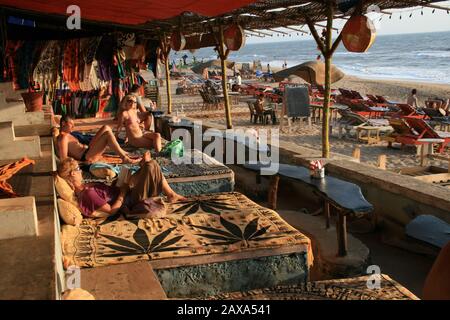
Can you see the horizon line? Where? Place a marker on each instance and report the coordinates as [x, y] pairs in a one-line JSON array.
[[380, 35]]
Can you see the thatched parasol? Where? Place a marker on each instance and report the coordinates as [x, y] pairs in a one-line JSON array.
[[312, 72], [211, 64]]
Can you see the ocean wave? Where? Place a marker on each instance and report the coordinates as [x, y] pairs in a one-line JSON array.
[[434, 54]]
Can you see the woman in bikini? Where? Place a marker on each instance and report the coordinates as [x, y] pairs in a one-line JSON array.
[[129, 119]]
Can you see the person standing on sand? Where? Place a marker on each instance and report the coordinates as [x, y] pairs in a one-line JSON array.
[[268, 68], [412, 99]]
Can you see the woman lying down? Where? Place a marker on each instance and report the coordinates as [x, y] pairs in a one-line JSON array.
[[147, 182]]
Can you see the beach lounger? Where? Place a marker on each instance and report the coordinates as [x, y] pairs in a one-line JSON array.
[[425, 131], [408, 111], [414, 131], [352, 121]]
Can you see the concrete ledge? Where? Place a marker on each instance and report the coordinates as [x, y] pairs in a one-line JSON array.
[[13, 147], [130, 281], [16, 112], [18, 218]]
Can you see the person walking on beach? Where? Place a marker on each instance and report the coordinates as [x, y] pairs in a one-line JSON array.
[[412, 99], [268, 68]]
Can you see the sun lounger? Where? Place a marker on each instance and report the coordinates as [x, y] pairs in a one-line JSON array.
[[414, 131], [408, 111], [352, 121], [425, 131]]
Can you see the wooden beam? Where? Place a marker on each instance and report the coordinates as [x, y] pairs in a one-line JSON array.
[[223, 58]]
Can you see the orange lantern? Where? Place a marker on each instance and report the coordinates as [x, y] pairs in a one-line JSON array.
[[177, 41], [358, 34], [234, 37]]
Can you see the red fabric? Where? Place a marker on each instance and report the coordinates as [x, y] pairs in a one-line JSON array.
[[130, 12]]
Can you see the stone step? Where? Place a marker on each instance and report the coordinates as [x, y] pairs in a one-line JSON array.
[[18, 218], [12, 147], [129, 281]]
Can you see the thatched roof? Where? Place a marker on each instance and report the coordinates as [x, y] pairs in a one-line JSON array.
[[269, 14]]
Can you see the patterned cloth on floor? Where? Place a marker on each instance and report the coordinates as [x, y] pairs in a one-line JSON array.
[[207, 224], [342, 289]]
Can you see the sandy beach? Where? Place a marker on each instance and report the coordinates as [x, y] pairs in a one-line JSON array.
[[304, 136]]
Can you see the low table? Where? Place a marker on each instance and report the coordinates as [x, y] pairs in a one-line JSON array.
[[346, 197], [368, 134]]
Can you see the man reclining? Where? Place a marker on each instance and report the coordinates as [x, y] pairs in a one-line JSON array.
[[69, 146]]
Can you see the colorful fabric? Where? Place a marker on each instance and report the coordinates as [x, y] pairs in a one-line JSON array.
[[207, 224], [7, 171], [47, 69]]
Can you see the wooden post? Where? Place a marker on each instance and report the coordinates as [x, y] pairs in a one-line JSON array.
[[341, 229], [273, 192], [382, 161], [164, 45], [327, 94], [223, 54], [169, 97], [357, 154], [326, 210]]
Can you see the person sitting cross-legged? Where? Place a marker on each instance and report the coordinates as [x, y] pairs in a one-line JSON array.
[[69, 146], [147, 182]]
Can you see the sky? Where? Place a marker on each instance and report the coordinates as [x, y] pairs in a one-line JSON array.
[[428, 22]]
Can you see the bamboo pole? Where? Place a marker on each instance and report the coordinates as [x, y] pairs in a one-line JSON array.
[[327, 95], [169, 97], [223, 57]]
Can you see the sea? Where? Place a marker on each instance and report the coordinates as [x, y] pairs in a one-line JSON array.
[[423, 57]]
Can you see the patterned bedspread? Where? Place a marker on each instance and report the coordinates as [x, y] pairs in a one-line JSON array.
[[342, 289], [195, 165], [208, 224]]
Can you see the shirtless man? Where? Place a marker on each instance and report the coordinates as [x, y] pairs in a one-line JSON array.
[[69, 146], [129, 119]]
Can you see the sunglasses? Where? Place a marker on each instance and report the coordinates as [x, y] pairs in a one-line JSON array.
[[131, 101]]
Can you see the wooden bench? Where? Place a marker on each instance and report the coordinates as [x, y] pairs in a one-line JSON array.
[[346, 197]]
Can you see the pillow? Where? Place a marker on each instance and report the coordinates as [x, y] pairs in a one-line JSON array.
[[103, 170], [70, 214], [77, 294], [65, 191]]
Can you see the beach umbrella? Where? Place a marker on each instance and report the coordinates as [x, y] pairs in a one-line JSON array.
[[211, 64], [312, 72]]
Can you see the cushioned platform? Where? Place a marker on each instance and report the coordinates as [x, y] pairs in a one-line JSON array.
[[342, 289], [209, 224], [198, 174]]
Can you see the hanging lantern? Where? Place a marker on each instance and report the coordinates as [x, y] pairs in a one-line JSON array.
[[358, 34], [177, 41], [234, 37]]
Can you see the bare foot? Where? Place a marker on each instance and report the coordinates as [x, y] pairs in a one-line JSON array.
[[175, 197], [127, 159]]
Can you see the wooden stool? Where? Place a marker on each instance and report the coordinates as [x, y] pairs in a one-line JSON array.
[[365, 134]]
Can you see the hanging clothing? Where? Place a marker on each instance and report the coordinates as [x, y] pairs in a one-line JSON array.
[[48, 68], [104, 57], [71, 63]]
